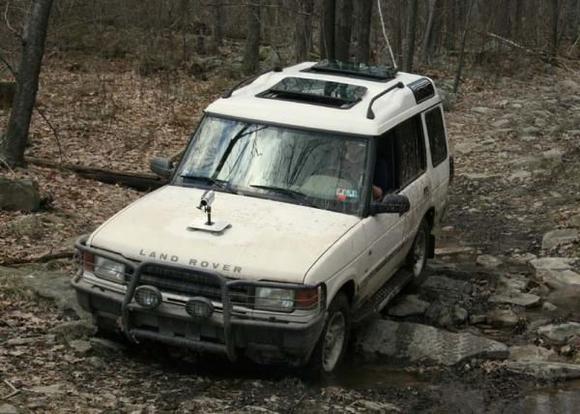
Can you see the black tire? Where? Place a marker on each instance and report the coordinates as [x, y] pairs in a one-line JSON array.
[[417, 257], [323, 360]]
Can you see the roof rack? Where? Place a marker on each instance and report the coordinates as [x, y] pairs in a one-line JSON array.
[[370, 113], [244, 82], [316, 91], [354, 70]]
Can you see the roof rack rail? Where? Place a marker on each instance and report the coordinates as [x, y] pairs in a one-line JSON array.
[[354, 70], [370, 113], [244, 82]]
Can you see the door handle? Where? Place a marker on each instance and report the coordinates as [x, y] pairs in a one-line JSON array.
[[426, 192]]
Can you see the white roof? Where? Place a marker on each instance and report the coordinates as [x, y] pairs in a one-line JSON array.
[[389, 110]]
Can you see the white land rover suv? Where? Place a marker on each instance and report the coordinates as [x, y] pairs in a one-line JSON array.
[[305, 200]]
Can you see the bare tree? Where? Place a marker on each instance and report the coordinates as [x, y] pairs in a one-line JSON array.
[[364, 30], [14, 142], [304, 29], [327, 44], [344, 30], [555, 9], [462, 50], [409, 51], [252, 51], [428, 37]]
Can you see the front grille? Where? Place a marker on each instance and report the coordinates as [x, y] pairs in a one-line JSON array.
[[192, 283]]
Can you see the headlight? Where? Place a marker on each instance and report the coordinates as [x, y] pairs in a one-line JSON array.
[[109, 270], [279, 300]]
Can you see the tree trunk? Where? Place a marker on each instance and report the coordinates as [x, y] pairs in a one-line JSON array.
[[14, 142], [462, 50], [344, 30], [218, 23], [364, 30], [518, 19], [327, 44], [304, 30], [428, 38], [409, 50], [252, 53], [555, 18]]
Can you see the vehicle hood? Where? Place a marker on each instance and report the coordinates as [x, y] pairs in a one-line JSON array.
[[267, 240]]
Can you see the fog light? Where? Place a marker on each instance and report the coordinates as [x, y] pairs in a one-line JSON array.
[[148, 296], [199, 308]]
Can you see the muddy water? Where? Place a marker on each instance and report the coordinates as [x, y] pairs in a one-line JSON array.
[[564, 399]]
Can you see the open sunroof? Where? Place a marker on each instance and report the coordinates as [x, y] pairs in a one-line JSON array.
[[316, 91], [355, 70]]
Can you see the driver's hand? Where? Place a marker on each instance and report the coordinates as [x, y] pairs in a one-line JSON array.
[[377, 193]]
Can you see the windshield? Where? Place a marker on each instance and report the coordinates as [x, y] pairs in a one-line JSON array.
[[321, 170]]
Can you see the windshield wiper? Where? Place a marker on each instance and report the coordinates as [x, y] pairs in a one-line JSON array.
[[293, 194], [215, 183]]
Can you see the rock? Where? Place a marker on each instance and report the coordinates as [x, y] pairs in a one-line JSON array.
[[80, 346], [477, 319], [29, 225], [422, 343], [531, 130], [408, 305], [556, 237], [459, 315], [453, 250], [513, 282], [505, 318], [566, 299], [488, 261], [20, 195], [481, 110], [8, 409], [501, 123], [556, 272], [448, 99], [75, 329], [53, 389], [543, 370], [523, 258], [377, 406], [560, 333], [437, 287], [568, 85], [106, 345], [516, 298], [520, 175], [531, 353], [567, 350], [549, 307], [575, 220]]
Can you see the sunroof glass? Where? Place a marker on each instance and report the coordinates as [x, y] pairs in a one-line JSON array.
[[361, 70], [349, 94]]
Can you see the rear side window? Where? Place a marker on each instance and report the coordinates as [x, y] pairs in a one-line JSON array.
[[436, 132], [410, 150]]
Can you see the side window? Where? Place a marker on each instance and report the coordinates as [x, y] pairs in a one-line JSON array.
[[410, 148], [436, 132]]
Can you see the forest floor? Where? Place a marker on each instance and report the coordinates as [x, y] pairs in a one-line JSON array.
[[516, 144]]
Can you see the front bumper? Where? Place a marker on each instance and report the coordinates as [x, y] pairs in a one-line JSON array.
[[228, 331]]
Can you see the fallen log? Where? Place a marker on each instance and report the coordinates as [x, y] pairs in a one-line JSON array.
[[137, 181], [38, 259]]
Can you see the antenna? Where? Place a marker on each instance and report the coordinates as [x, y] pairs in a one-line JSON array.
[[385, 34]]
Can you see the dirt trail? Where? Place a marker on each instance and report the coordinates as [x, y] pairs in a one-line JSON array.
[[516, 149]]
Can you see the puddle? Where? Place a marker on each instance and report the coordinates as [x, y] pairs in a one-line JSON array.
[[562, 399], [355, 374]]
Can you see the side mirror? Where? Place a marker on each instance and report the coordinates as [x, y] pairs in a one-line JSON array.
[[391, 203], [163, 167]]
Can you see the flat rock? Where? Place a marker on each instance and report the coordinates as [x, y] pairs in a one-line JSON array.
[[500, 123], [80, 346], [556, 272], [553, 263], [575, 220], [443, 287], [488, 261], [29, 225], [516, 298], [20, 195], [481, 110], [408, 305], [545, 370], [8, 409], [421, 343], [513, 282], [560, 333], [53, 389], [531, 353], [504, 318], [555, 238]]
